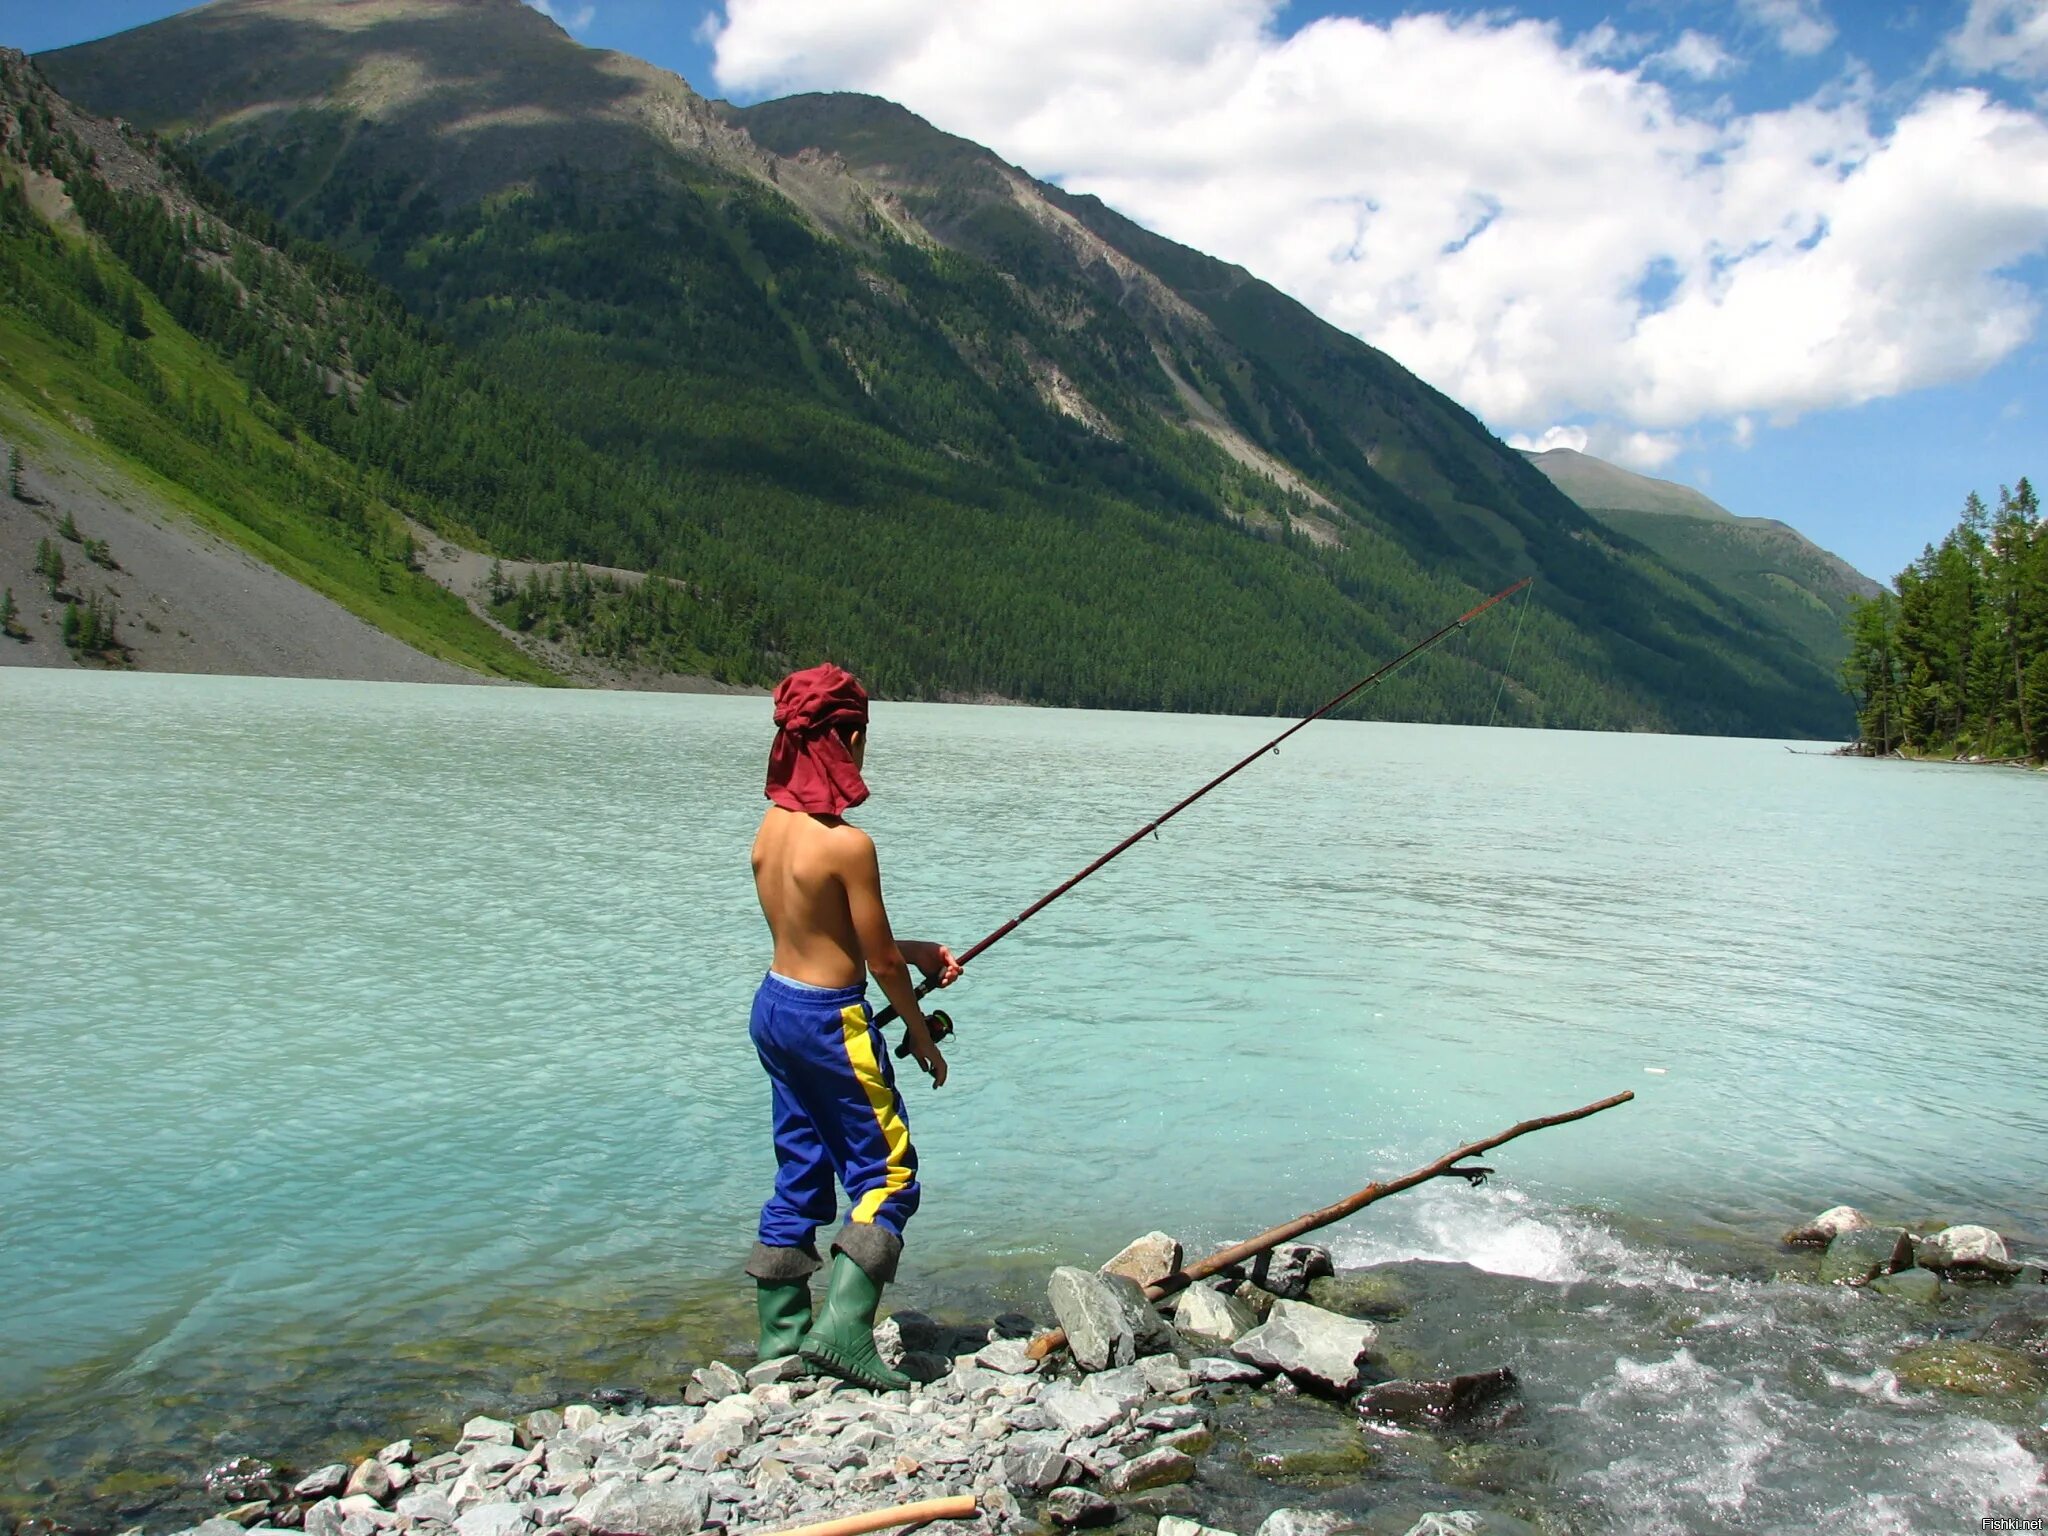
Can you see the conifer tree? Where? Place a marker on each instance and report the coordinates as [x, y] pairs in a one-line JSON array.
[[14, 486], [10, 616]]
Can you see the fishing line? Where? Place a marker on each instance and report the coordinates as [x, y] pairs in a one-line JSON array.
[[930, 984], [1521, 618]]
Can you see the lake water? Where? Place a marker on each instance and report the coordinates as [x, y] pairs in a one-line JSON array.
[[373, 1052]]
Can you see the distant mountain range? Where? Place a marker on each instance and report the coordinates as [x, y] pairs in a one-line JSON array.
[[1768, 566], [860, 387]]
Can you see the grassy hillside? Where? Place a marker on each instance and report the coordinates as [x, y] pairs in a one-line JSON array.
[[1773, 570], [959, 431]]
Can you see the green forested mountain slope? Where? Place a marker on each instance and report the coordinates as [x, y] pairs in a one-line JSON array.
[[1768, 566], [959, 430]]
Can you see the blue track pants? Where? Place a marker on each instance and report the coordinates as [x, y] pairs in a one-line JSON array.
[[837, 1113]]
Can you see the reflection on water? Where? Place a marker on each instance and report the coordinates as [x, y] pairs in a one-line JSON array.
[[373, 1051]]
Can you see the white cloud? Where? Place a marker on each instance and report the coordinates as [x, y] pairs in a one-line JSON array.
[[571, 18], [1799, 27], [1742, 431], [1532, 225], [2004, 37], [1573, 438], [1697, 55]]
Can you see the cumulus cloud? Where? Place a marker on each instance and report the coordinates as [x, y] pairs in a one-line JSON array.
[[1697, 55], [1799, 27], [574, 18], [1530, 222], [2003, 37]]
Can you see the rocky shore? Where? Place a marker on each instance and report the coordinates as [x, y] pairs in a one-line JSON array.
[[1285, 1400]]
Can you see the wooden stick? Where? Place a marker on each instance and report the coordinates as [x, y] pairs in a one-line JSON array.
[[1237, 1253], [961, 1507]]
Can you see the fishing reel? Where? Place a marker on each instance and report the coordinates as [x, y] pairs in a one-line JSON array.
[[940, 1025]]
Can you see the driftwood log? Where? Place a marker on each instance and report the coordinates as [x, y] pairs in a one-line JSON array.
[[1251, 1248], [961, 1507]]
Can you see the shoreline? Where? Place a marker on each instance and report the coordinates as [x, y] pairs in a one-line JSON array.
[[1441, 1416]]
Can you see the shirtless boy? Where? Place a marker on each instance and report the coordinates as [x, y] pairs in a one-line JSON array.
[[837, 1111]]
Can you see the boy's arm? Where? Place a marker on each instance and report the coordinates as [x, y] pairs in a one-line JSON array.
[[861, 874], [935, 960]]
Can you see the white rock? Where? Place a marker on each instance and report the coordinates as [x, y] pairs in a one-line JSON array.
[[638, 1509], [427, 1504], [322, 1482], [580, 1417], [1310, 1345], [491, 1520], [1304, 1522], [1964, 1247], [1148, 1260], [1079, 1410], [1207, 1311], [1173, 1525], [1012, 1357], [1218, 1370]]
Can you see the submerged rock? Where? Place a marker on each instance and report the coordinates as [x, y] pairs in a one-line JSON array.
[[1967, 1252], [1107, 1319], [1309, 1453], [1922, 1287], [1975, 1369], [1148, 1260], [1312, 1347], [1154, 1469], [1287, 1270], [1859, 1256], [1826, 1227], [1201, 1309], [1460, 1402], [245, 1478], [1363, 1293]]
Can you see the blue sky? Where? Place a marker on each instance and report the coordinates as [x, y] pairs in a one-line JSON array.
[[1790, 251]]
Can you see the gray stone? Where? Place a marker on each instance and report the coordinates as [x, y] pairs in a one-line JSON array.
[[491, 1520], [578, 1418], [1368, 1293], [492, 1456], [323, 1518], [1305, 1522], [1826, 1227], [1195, 1440], [1074, 1507], [219, 1525], [1921, 1287], [1967, 1250], [1257, 1297], [1148, 1260], [1165, 1375], [1203, 1310], [1170, 1416], [1173, 1499], [1973, 1369], [1219, 1370], [370, 1478], [714, 1382], [482, 1428], [1154, 1469], [1012, 1357], [2030, 1274], [1080, 1410], [1312, 1347], [541, 1424], [1128, 1384], [1174, 1525], [768, 1373], [641, 1509], [1107, 1319], [399, 1453], [1861, 1254], [1037, 1471], [427, 1504], [324, 1482], [1286, 1270]]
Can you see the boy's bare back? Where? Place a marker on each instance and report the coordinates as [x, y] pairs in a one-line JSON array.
[[811, 873]]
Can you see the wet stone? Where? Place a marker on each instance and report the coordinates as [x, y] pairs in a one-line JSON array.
[[1859, 1256], [1219, 1370], [1921, 1287], [1969, 1368], [1363, 1293], [1966, 1252], [1462, 1401], [1312, 1347], [243, 1479], [1154, 1469], [1078, 1508], [1286, 1271], [1174, 1499], [323, 1482], [1826, 1227]]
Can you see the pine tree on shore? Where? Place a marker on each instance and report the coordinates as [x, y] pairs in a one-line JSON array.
[[50, 566], [69, 530], [10, 617], [14, 486]]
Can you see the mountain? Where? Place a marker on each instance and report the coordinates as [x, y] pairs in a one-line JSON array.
[[904, 404], [1768, 566]]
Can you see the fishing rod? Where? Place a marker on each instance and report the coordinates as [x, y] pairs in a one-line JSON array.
[[942, 1025]]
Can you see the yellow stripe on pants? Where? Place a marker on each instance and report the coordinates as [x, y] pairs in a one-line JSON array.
[[860, 1051]]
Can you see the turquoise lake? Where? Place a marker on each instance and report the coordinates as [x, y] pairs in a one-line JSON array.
[[374, 1049]]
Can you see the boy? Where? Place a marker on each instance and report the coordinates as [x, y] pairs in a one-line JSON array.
[[837, 1110]]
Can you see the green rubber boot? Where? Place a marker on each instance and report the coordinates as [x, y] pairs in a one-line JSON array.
[[842, 1338], [785, 1314]]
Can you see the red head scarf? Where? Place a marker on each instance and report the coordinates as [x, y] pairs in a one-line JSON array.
[[810, 767]]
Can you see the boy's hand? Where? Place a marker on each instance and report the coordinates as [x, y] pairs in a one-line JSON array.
[[926, 1052], [935, 960]]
